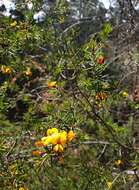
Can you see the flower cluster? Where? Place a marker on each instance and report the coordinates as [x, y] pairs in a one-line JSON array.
[[56, 141], [8, 70], [28, 73]]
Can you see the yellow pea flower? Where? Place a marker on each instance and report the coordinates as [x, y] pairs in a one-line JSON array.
[[109, 184], [6, 70], [70, 135], [52, 84], [28, 72], [58, 148], [22, 188], [13, 169], [13, 24], [125, 94], [118, 162], [62, 20], [52, 131]]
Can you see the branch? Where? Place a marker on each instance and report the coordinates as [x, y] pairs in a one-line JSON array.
[[108, 126]]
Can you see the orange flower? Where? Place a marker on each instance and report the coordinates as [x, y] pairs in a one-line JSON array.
[[100, 60], [39, 144], [101, 96], [37, 152], [52, 84]]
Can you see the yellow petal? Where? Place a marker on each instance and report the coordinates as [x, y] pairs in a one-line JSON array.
[[63, 138], [22, 188], [52, 131], [5, 69], [109, 184], [28, 72], [58, 148], [13, 23], [62, 20], [118, 162], [46, 140], [61, 148], [55, 138], [51, 84], [70, 136], [125, 94], [64, 132]]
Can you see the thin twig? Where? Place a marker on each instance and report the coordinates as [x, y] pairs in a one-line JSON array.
[[102, 152], [11, 149], [95, 142]]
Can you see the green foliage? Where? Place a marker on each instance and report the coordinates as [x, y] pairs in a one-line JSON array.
[[81, 98], [106, 31]]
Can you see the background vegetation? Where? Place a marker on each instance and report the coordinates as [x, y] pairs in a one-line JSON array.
[[70, 65]]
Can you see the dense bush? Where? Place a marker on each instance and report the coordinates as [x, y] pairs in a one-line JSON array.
[[49, 81]]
